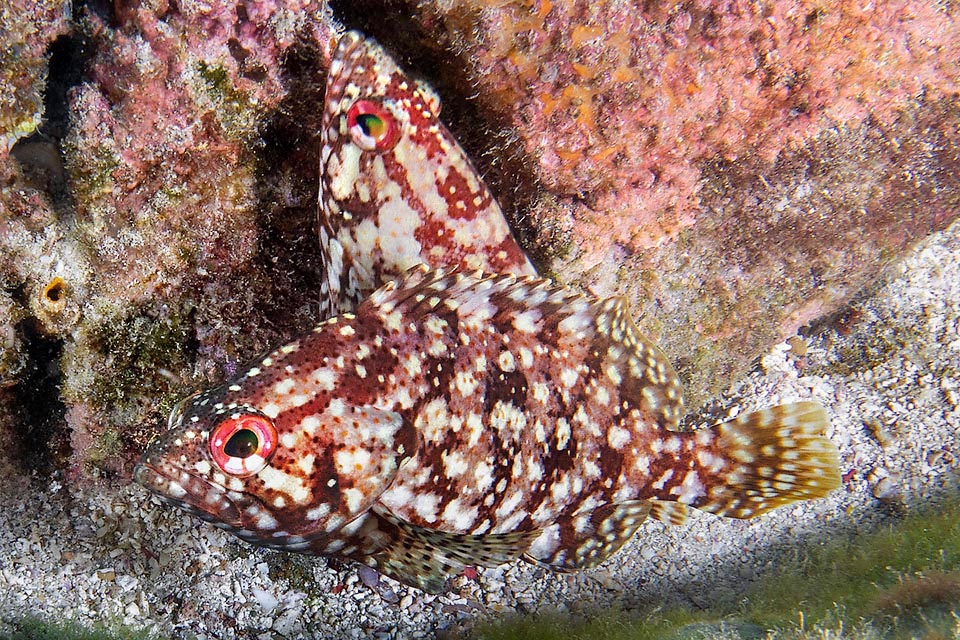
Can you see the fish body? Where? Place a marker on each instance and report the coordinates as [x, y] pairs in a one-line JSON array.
[[468, 413], [397, 190], [462, 419]]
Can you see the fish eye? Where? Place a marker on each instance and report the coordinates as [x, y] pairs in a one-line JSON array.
[[372, 127], [242, 445]]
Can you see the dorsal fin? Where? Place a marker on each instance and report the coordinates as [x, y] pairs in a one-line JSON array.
[[644, 375], [660, 391]]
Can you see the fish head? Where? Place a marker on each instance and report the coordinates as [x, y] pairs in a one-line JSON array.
[[390, 170], [378, 123], [275, 474]]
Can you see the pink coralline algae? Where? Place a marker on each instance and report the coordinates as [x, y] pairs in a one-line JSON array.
[[611, 98], [734, 169], [148, 275]]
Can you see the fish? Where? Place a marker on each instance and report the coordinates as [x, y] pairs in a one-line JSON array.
[[397, 190], [460, 418]]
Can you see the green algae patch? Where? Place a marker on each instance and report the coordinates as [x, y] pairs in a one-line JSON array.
[[37, 629], [139, 348], [92, 170], [232, 107], [856, 580], [121, 375], [609, 625], [899, 581]]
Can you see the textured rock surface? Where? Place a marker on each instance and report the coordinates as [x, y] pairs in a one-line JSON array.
[[735, 169], [157, 269], [27, 28]]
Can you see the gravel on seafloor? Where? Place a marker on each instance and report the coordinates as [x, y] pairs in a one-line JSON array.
[[889, 374]]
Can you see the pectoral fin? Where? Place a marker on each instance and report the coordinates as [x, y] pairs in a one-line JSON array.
[[425, 558]]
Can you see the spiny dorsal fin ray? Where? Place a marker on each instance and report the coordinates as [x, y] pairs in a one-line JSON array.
[[777, 456], [427, 557], [589, 537]]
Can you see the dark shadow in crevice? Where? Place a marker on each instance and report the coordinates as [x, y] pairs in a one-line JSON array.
[[41, 440], [40, 155], [41, 444], [287, 186], [107, 11], [70, 56]]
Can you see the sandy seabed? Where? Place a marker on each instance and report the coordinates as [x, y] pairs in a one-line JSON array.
[[888, 373]]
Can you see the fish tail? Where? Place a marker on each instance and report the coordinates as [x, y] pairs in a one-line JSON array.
[[775, 456]]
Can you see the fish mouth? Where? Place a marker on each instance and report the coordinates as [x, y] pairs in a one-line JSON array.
[[213, 503], [190, 492]]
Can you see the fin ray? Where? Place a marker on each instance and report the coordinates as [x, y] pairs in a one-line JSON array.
[[667, 512], [648, 377], [426, 558], [779, 456], [587, 538]]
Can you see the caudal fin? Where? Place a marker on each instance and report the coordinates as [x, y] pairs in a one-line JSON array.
[[777, 456]]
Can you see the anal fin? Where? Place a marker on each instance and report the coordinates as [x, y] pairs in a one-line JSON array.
[[668, 512], [587, 538], [426, 558]]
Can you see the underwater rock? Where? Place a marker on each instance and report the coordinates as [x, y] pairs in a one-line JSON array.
[[29, 27], [149, 269]]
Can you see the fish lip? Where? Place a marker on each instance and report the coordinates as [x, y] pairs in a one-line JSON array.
[[157, 477]]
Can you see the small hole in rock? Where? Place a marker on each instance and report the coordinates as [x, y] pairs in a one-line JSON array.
[[55, 290]]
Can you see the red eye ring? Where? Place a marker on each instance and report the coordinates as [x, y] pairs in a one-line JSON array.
[[243, 444], [372, 127]]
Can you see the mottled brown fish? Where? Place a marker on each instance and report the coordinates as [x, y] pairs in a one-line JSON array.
[[396, 190], [459, 420]]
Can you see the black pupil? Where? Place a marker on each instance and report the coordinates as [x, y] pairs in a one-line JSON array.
[[371, 124], [242, 444]]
